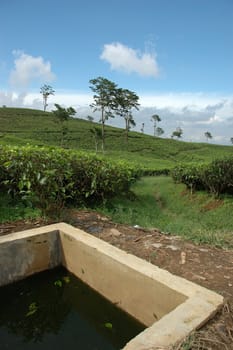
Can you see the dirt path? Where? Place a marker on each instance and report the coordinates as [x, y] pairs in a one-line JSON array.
[[204, 265]]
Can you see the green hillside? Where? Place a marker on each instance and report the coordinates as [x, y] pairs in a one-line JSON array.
[[19, 126]]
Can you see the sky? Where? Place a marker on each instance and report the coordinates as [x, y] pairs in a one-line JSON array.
[[176, 55]]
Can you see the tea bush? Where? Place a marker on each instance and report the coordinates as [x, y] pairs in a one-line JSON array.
[[216, 177], [190, 175], [52, 177]]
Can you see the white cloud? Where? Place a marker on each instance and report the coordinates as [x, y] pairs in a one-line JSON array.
[[11, 99], [125, 59], [28, 68], [181, 100]]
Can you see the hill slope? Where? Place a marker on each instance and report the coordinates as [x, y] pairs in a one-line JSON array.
[[19, 126]]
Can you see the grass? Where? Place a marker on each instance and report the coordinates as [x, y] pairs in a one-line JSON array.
[[159, 203]]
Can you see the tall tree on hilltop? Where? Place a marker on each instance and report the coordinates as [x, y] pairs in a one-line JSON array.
[[208, 136], [142, 128], [46, 91], [62, 115], [155, 118], [159, 131], [126, 101], [104, 101], [177, 133]]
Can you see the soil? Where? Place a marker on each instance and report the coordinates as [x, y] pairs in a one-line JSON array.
[[207, 266]]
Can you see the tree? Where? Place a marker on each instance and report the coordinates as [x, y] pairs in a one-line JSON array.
[[208, 136], [96, 132], [155, 118], [62, 115], [142, 128], [126, 100], [90, 118], [159, 131], [177, 133], [231, 139], [104, 101], [46, 91]]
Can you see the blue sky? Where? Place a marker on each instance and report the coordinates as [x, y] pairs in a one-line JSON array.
[[177, 55]]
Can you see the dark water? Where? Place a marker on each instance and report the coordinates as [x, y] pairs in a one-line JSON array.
[[54, 309]]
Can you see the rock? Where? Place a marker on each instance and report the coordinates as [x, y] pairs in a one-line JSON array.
[[114, 232], [172, 247], [94, 229], [157, 245]]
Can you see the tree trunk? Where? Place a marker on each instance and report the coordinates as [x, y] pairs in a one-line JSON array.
[[126, 130], [103, 133]]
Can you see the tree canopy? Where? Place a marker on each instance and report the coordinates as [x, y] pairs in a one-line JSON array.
[[104, 100], [126, 101], [208, 135], [177, 133], [46, 91]]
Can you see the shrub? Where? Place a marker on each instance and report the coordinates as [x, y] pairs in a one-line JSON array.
[[190, 175], [216, 177], [52, 177]]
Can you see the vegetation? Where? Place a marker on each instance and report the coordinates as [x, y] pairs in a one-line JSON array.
[[126, 101], [156, 118], [62, 116], [41, 177], [27, 126], [208, 136], [46, 91], [216, 177], [177, 133], [158, 202], [159, 131], [104, 101], [50, 178], [111, 101]]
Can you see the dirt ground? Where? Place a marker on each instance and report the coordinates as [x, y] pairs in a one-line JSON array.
[[210, 267]]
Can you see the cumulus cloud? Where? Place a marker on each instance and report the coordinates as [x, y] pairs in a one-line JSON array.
[[28, 68], [125, 59], [11, 99]]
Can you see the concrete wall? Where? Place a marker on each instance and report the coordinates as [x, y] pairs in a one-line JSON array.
[[23, 254], [145, 291], [120, 277]]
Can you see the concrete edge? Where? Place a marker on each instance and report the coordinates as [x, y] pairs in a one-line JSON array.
[[178, 283], [201, 304]]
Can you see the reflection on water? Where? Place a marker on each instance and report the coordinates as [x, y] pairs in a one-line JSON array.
[[54, 308]]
